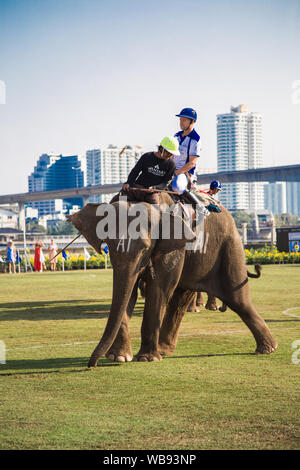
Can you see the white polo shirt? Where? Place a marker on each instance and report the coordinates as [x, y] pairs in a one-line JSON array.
[[190, 145]]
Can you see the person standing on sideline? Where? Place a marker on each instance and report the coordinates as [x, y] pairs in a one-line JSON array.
[[52, 250], [37, 254], [42, 258], [11, 256]]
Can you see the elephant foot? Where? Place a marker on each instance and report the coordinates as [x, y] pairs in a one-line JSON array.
[[93, 361], [119, 357], [166, 349], [266, 348], [211, 306], [192, 309], [148, 357], [119, 354], [200, 304]]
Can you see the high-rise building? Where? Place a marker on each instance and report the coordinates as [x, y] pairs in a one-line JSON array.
[[107, 166], [56, 172], [239, 147], [275, 197], [293, 198]]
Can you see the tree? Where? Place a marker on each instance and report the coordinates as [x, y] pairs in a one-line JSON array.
[[286, 219], [241, 217], [33, 226], [62, 228]]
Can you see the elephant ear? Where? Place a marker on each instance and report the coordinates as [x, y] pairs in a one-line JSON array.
[[173, 235]]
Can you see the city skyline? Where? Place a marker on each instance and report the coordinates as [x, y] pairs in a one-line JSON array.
[[80, 75]]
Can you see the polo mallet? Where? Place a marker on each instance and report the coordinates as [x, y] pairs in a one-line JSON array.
[[65, 247], [123, 150]]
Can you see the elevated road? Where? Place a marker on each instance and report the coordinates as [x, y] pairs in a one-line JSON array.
[[270, 174]]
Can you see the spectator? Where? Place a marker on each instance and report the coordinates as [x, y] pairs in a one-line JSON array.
[[42, 258], [37, 257], [52, 250], [11, 256]]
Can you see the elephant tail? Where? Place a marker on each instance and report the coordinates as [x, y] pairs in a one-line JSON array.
[[223, 307], [258, 270]]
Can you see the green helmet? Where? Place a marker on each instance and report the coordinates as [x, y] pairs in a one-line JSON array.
[[171, 145]]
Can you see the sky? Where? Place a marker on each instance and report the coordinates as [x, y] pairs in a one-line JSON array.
[[81, 74]]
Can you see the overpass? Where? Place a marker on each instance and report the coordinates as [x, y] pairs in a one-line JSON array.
[[269, 174], [288, 173]]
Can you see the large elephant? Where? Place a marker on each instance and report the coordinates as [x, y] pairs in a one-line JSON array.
[[173, 274]]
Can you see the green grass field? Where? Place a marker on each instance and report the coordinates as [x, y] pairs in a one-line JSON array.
[[213, 393]]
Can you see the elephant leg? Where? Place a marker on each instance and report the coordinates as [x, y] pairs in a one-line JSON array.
[[170, 327], [235, 292], [159, 290], [192, 307], [200, 299], [265, 343], [211, 303], [120, 350]]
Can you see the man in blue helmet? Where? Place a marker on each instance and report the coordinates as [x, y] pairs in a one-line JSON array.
[[189, 148], [189, 144], [214, 188]]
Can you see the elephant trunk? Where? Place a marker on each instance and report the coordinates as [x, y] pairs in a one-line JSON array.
[[123, 283]]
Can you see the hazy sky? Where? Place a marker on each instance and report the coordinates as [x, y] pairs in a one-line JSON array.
[[80, 74]]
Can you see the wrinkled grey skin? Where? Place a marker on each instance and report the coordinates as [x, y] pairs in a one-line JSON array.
[[176, 275]]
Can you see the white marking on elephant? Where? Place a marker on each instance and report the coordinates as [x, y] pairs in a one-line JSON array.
[[286, 312], [170, 260]]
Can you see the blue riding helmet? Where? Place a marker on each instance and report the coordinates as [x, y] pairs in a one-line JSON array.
[[188, 113], [216, 184]]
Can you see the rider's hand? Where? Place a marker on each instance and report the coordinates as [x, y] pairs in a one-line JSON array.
[[125, 187]]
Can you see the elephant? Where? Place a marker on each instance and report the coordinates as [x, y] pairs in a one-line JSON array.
[[173, 274], [211, 304]]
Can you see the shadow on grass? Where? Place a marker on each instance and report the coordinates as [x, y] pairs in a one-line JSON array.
[[67, 365], [59, 310], [209, 355], [50, 366]]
